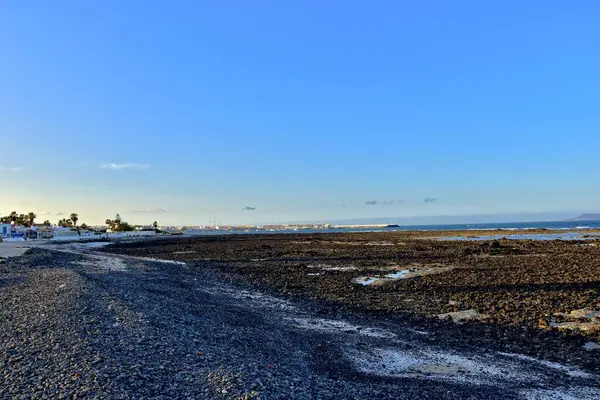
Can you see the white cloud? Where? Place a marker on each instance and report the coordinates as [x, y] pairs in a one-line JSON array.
[[10, 169], [124, 166]]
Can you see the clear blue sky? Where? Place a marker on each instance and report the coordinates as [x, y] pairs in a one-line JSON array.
[[184, 111]]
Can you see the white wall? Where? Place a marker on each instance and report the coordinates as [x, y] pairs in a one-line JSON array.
[[2, 228], [91, 235]]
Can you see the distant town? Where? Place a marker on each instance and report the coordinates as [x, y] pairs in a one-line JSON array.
[[17, 226]]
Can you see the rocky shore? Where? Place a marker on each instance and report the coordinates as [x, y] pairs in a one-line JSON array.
[[514, 293], [241, 318]]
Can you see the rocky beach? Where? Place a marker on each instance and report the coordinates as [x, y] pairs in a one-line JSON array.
[[299, 200], [305, 316], [538, 286]]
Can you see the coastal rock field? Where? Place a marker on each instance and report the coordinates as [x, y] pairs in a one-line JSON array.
[[336, 316], [514, 294]]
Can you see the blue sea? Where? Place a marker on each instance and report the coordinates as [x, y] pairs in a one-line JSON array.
[[550, 225], [577, 226]]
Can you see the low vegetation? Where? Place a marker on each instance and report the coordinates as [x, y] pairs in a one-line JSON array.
[[28, 220]]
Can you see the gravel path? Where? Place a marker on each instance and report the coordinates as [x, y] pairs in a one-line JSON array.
[[79, 323], [12, 249]]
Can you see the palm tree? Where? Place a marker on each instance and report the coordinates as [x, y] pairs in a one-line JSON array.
[[155, 225], [74, 218], [117, 223], [65, 223], [13, 216], [47, 223], [31, 217]]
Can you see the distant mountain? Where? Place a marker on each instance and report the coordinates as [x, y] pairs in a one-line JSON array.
[[586, 217]]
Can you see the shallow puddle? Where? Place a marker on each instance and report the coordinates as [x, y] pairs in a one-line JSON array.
[[365, 281], [400, 274]]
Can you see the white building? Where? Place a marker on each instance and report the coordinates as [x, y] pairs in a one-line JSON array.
[[5, 230]]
